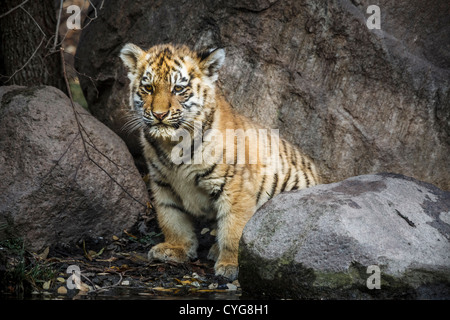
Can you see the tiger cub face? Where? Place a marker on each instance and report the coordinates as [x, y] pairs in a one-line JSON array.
[[170, 87]]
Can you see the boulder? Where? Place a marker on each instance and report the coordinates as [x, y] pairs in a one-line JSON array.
[[61, 181], [382, 236], [356, 100]]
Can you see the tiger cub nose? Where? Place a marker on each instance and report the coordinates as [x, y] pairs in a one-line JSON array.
[[160, 115]]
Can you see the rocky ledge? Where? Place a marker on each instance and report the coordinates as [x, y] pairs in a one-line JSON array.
[[382, 236]]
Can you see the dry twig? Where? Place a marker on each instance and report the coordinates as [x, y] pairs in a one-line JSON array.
[[55, 43], [15, 8], [81, 130]]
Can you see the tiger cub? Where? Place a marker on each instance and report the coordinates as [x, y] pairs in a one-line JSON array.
[[217, 171]]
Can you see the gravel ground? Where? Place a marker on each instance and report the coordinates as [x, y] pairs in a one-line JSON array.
[[117, 268]]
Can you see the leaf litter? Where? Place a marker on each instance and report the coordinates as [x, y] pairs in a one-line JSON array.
[[118, 268]]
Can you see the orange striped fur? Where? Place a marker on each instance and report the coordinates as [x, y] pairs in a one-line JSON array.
[[171, 89]]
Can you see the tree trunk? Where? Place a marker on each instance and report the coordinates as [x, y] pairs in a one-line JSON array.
[[27, 55]]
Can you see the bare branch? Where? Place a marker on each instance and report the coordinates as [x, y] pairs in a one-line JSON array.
[[26, 63], [95, 14], [60, 158], [16, 7], [32, 18], [92, 145], [57, 25], [81, 129]]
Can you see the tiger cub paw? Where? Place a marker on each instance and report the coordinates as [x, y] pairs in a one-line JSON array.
[[168, 252], [229, 271]]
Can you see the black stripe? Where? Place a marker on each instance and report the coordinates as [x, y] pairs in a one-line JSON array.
[[207, 124], [258, 195], [285, 149], [304, 172], [308, 183], [284, 145], [178, 63], [295, 187], [161, 61], [163, 157], [174, 206], [288, 150], [204, 174], [162, 184], [216, 194], [282, 155], [274, 186], [288, 153], [294, 161], [187, 95], [205, 94], [158, 170], [286, 179], [168, 53], [312, 176]]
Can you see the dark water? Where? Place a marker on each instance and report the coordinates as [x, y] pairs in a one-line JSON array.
[[123, 293]]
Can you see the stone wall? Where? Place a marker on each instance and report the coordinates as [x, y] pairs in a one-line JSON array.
[[356, 100]]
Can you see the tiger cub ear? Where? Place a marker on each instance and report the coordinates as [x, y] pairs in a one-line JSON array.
[[130, 55], [211, 61]]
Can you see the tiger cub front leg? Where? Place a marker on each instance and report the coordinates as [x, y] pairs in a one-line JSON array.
[[180, 242], [230, 225]]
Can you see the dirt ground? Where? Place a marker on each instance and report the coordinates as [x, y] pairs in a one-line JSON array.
[[116, 268]]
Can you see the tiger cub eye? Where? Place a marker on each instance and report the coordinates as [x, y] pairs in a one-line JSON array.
[[148, 88], [178, 89]]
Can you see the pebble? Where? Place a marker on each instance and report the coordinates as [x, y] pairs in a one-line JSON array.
[[62, 290], [231, 287], [46, 285], [84, 287], [213, 286]]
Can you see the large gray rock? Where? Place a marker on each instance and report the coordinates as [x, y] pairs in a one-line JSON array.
[[49, 189], [356, 100], [318, 243]]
